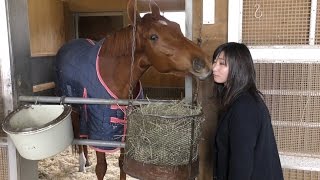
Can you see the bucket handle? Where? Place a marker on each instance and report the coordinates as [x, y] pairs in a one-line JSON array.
[[62, 100], [36, 101]]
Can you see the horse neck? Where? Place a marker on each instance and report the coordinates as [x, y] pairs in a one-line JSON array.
[[116, 63], [116, 73]]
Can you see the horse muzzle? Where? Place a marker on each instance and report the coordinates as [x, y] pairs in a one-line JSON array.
[[200, 69]]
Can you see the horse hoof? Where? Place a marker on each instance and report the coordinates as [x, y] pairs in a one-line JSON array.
[[82, 169]]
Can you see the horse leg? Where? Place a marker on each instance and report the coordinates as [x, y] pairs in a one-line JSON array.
[[121, 159], [85, 151], [101, 167], [82, 159]]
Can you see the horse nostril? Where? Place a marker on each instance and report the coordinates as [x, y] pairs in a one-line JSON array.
[[198, 64]]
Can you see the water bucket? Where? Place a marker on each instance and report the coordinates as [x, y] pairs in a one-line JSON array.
[[40, 131]]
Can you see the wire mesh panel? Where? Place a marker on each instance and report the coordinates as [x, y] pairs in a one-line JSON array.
[[288, 76], [297, 139], [276, 22], [294, 174], [292, 94], [3, 163], [291, 89]]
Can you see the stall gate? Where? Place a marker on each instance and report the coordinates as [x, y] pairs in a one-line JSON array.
[[3, 144], [284, 39], [4, 160], [29, 49]]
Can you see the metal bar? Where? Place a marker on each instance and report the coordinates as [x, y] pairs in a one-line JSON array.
[[285, 54], [208, 11], [189, 35], [299, 163], [295, 124], [188, 89], [91, 142], [313, 22], [76, 100], [288, 92], [6, 58], [235, 20]]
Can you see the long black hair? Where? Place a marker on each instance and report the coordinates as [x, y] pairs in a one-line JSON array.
[[241, 77]]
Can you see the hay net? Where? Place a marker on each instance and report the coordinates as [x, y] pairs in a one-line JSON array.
[[161, 134]]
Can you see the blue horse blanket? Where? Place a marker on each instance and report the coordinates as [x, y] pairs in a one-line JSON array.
[[77, 75]]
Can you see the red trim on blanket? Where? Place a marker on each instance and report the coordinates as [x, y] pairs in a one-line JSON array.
[[116, 106], [105, 85], [85, 95], [117, 120], [91, 42]]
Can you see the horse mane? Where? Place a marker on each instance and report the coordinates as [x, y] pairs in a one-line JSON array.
[[119, 43]]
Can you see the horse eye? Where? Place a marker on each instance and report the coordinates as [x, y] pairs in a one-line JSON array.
[[154, 37]]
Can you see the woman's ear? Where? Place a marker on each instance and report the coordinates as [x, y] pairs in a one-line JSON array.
[[154, 8], [132, 11]]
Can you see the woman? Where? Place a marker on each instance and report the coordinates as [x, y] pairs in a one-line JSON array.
[[245, 146]]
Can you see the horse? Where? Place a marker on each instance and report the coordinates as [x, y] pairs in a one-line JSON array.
[[112, 68]]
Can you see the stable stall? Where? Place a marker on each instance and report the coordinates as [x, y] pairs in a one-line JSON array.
[[37, 29], [283, 37]]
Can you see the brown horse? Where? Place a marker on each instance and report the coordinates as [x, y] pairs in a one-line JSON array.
[[115, 71]]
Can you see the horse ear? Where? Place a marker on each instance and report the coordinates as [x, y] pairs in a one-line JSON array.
[[131, 10], [154, 8]]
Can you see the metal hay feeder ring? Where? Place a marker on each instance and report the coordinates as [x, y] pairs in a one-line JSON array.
[[164, 145]]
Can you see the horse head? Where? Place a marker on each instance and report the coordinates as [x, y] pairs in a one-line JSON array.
[[164, 46]]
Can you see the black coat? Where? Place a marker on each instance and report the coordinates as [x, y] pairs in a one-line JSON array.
[[245, 146]]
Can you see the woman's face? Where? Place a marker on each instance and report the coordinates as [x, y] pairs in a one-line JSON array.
[[220, 69]]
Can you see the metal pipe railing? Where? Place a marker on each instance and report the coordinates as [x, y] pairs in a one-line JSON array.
[[91, 142], [78, 100]]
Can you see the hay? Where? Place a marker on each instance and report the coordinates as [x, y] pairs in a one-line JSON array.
[[160, 134]]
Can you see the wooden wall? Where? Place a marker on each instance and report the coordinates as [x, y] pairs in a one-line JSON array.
[[46, 26], [211, 35]]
